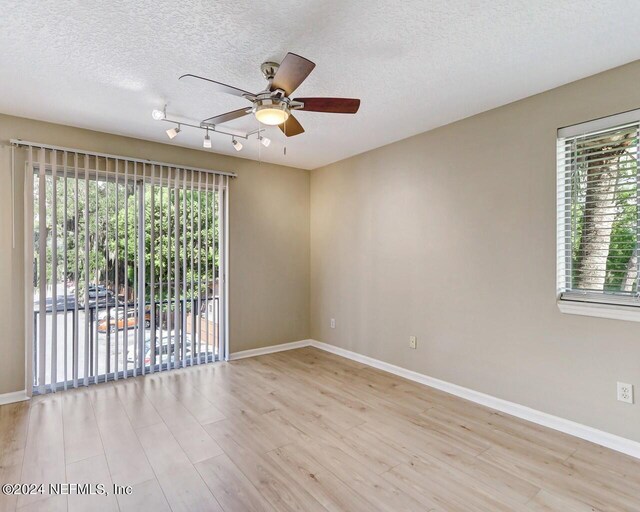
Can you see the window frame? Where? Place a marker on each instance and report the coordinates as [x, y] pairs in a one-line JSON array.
[[603, 305]]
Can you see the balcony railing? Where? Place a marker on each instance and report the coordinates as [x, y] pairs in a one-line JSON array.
[[194, 325]]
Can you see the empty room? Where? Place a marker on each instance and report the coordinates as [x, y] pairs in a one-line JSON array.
[[320, 255]]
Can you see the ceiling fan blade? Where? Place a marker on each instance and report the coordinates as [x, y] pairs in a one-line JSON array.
[[220, 87], [228, 116], [292, 72], [291, 127], [332, 105]]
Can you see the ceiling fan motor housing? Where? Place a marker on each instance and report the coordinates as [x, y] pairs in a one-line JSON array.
[[269, 69]]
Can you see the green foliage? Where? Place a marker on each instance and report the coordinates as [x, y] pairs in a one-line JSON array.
[[623, 203], [106, 215]]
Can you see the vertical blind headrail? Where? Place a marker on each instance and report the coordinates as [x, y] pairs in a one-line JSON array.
[[29, 144], [113, 177]]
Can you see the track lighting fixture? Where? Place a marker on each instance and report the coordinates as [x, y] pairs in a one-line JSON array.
[[178, 124], [206, 143], [264, 141], [172, 132]]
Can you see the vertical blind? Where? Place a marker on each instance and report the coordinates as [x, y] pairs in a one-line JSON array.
[[598, 215], [129, 266]]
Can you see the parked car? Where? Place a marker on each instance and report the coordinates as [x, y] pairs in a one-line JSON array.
[[100, 295], [162, 352], [98, 291], [110, 323], [59, 301]]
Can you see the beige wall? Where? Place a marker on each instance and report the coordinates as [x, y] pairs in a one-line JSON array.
[[269, 240], [450, 236]]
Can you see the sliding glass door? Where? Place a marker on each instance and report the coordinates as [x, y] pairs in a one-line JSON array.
[[128, 261]]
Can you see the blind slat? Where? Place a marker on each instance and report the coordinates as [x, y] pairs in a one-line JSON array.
[[54, 269]]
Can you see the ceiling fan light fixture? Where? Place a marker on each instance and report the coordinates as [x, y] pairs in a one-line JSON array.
[[172, 132], [237, 145], [271, 114]]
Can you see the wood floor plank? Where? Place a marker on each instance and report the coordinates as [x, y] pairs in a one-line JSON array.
[[55, 503], [188, 432], [192, 399], [464, 430], [230, 486], [553, 476], [139, 409], [127, 462], [81, 434], [616, 463], [324, 486], [44, 459], [547, 501], [282, 493], [93, 470], [437, 483], [180, 481], [14, 422], [145, 497], [362, 480]]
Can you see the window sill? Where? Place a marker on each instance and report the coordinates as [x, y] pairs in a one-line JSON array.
[[629, 313]]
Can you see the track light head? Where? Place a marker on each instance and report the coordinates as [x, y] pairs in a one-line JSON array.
[[172, 132], [237, 145], [206, 143], [158, 115], [264, 141]]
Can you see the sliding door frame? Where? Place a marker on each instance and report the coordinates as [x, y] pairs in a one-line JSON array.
[[220, 190]]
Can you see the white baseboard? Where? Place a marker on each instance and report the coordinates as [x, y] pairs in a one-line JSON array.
[[620, 444], [612, 441], [15, 396], [269, 350]]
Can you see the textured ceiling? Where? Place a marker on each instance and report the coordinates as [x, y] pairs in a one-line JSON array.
[[415, 64]]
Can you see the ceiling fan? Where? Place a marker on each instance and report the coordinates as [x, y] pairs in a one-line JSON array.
[[273, 106]]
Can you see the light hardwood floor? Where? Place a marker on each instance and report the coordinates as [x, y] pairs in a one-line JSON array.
[[301, 430]]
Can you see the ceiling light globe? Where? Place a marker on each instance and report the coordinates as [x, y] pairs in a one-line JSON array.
[[271, 114], [158, 115]]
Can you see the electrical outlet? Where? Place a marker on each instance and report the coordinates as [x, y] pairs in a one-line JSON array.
[[625, 392], [413, 342], [333, 323]]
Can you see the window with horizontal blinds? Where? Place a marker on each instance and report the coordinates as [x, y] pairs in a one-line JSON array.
[[598, 215], [128, 271]]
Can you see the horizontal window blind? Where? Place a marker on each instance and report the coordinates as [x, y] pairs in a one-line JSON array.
[[128, 271], [598, 215]]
